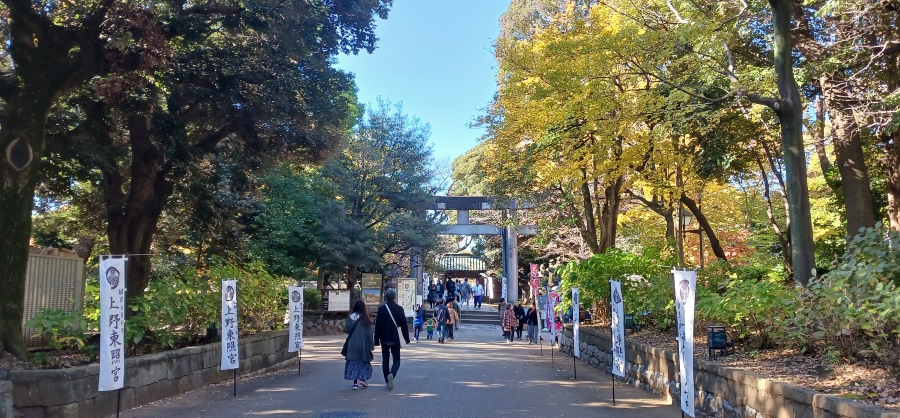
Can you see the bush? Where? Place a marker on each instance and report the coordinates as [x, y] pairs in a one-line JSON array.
[[752, 306], [183, 303], [857, 305], [646, 284]]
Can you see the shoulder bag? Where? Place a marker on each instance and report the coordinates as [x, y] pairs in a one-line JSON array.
[[346, 341], [399, 335]]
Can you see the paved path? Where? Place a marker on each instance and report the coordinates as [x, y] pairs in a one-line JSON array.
[[476, 374]]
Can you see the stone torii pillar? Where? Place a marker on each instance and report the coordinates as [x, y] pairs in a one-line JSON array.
[[462, 205]]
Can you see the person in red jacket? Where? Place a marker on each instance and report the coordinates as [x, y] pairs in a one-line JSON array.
[[390, 326]]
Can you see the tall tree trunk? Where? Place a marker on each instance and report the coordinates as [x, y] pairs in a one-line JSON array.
[[782, 240], [22, 143], [610, 216], [133, 219], [818, 137], [790, 114], [588, 224], [714, 243], [854, 185], [849, 157]]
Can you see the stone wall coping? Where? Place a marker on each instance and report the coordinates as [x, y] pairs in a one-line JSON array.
[[5, 386], [834, 404], [131, 362]]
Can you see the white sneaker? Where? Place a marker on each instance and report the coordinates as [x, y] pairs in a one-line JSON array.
[[390, 383]]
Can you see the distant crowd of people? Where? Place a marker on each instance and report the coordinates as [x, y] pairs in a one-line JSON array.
[[463, 292]]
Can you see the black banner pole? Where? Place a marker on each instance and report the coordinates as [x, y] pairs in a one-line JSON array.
[[541, 338], [300, 356], [235, 383], [614, 388], [574, 368], [118, 402]]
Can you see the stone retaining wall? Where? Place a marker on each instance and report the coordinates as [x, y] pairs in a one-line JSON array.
[[72, 393], [721, 391]]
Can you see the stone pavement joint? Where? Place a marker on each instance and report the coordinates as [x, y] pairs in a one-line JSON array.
[[476, 373]]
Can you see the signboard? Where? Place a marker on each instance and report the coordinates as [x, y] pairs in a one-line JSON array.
[[406, 295], [336, 300], [576, 300], [371, 289], [230, 354], [534, 279], [503, 289], [617, 305], [295, 308], [685, 294], [112, 323]]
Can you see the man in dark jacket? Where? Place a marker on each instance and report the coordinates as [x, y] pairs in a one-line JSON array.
[[451, 288], [441, 316], [390, 317], [520, 318]]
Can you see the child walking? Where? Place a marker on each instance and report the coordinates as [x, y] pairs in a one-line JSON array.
[[429, 328]]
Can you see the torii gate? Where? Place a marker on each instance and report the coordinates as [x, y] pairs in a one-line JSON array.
[[462, 205]]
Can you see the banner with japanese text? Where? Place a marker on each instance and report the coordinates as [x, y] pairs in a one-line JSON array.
[[406, 295], [552, 301], [112, 323], [534, 280], [617, 305], [576, 302], [685, 294], [230, 348], [295, 307]]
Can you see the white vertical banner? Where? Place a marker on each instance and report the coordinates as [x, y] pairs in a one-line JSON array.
[[230, 347], [503, 289], [112, 323], [406, 295], [685, 294], [617, 305], [295, 308], [576, 300]]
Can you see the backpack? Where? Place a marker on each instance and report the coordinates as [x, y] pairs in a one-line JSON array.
[[440, 315]]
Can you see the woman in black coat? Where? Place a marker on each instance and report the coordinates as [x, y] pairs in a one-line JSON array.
[[390, 317], [532, 320]]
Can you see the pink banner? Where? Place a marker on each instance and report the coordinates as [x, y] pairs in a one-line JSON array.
[[534, 280]]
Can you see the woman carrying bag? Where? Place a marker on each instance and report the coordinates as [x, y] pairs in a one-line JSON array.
[[359, 346]]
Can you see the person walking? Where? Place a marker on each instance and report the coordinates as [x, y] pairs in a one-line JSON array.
[[360, 345], [441, 316], [458, 314], [388, 330], [432, 295], [477, 294], [509, 324], [532, 320], [520, 318], [453, 319], [451, 288], [418, 321], [429, 328], [466, 292]]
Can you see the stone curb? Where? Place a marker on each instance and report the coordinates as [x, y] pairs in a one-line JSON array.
[[721, 391]]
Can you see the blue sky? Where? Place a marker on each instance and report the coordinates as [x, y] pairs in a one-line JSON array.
[[436, 58]]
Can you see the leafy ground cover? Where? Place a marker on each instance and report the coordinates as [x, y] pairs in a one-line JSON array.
[[864, 379]]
